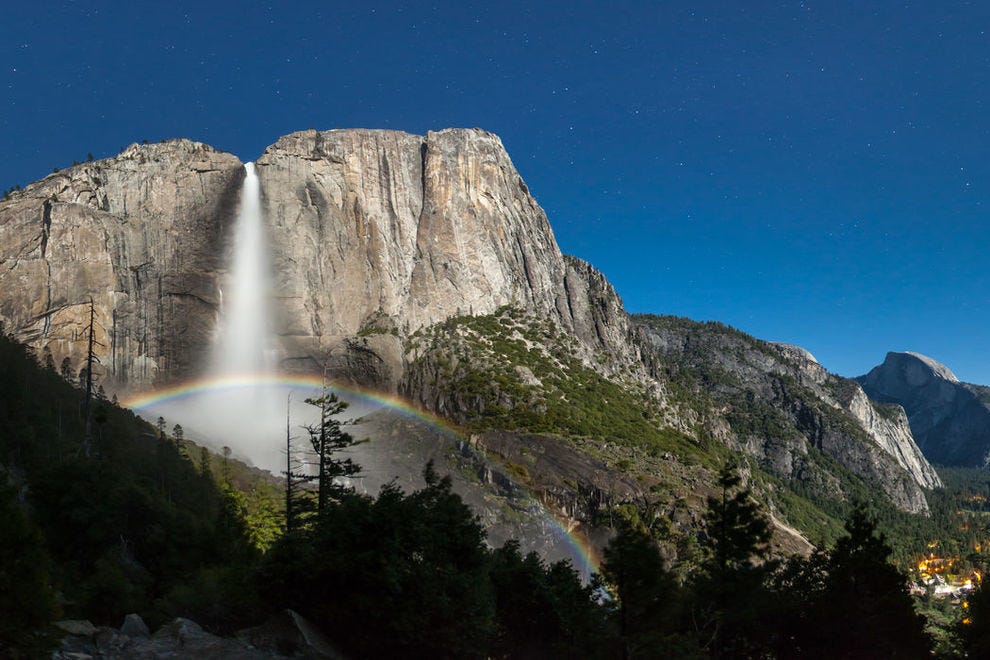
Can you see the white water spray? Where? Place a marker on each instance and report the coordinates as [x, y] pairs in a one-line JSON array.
[[248, 415], [248, 412], [244, 342]]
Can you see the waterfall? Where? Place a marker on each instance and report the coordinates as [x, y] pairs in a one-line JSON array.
[[244, 339], [239, 400], [246, 413]]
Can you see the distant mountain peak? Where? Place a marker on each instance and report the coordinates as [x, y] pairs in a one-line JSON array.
[[937, 367], [950, 420]]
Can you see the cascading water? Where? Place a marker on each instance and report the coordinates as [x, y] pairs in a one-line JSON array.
[[244, 408], [244, 340], [246, 415]]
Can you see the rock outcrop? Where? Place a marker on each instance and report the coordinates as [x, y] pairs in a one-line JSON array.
[[782, 407], [374, 235], [285, 635], [949, 419], [141, 235]]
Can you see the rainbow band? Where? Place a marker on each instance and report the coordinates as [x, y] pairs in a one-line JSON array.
[[579, 547]]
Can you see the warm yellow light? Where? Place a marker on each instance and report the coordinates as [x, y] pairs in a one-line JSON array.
[[967, 621]]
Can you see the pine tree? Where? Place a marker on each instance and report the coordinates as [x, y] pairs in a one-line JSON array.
[[27, 599], [850, 602], [49, 359], [866, 600], [91, 360], [974, 628], [225, 465], [648, 602], [328, 439], [204, 463], [731, 593], [295, 507], [737, 530]]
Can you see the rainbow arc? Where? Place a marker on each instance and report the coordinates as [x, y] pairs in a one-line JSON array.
[[585, 555]]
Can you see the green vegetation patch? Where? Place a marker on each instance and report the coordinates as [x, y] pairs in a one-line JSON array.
[[511, 371]]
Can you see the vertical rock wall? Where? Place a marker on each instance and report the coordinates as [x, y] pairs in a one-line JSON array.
[[140, 234], [378, 233]]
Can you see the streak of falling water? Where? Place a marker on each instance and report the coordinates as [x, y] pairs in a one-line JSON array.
[[250, 419], [244, 413], [245, 337]]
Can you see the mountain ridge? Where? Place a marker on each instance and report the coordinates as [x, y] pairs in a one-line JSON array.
[[379, 235]]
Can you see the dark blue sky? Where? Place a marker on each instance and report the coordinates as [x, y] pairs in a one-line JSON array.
[[809, 172]]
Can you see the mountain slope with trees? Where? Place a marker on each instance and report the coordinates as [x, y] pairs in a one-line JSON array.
[[376, 236], [147, 524], [139, 525]]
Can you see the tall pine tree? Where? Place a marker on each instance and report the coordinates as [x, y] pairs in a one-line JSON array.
[[328, 439], [732, 600]]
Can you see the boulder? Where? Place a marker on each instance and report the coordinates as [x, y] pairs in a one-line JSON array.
[[79, 628], [134, 626]]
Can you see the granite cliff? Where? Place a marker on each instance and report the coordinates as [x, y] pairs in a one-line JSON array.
[[374, 234], [379, 233], [778, 404], [949, 419], [141, 235]]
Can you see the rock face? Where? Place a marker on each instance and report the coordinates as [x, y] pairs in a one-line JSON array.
[[785, 409], [379, 233], [141, 236], [949, 419]]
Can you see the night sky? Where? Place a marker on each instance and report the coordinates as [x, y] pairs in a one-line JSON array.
[[809, 172]]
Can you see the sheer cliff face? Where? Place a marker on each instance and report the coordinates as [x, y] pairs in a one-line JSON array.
[[949, 419], [139, 234], [379, 233], [374, 233]]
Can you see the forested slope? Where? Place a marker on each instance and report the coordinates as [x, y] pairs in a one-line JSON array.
[[138, 525]]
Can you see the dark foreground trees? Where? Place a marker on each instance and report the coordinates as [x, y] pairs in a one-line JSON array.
[[133, 527], [409, 575], [137, 527], [650, 613], [26, 596], [849, 602], [974, 629]]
